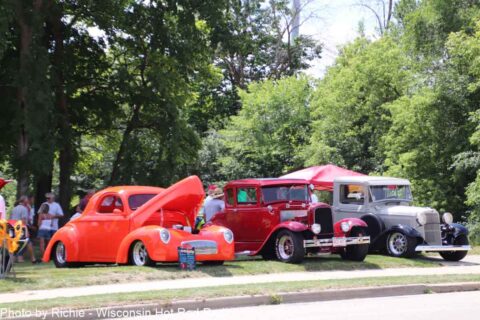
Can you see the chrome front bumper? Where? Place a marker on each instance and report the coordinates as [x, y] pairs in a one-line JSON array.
[[427, 248], [202, 246], [336, 242]]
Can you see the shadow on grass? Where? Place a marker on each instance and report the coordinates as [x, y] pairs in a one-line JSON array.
[[438, 259]]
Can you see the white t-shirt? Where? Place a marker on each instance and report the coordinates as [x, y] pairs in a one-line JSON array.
[[3, 213], [314, 198], [75, 216], [56, 210]]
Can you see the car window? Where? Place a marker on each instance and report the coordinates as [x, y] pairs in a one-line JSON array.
[[135, 201], [230, 197], [109, 204], [246, 195], [285, 193], [352, 194]]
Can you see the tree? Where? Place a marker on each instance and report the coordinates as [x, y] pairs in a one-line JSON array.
[[266, 137], [382, 10], [350, 105], [163, 49]]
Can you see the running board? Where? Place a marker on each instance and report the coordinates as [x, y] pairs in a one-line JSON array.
[[243, 253]]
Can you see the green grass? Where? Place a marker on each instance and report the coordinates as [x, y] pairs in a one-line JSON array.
[[45, 276], [166, 296], [475, 250]]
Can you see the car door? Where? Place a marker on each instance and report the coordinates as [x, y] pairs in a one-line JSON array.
[[105, 228], [351, 201], [256, 221]]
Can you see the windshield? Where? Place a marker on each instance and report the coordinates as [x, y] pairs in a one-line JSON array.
[[137, 200], [391, 192], [285, 193]]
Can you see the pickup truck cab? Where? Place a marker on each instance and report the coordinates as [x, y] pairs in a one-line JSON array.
[[394, 223], [276, 218]]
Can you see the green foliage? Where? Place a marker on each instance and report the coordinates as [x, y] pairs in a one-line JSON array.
[[269, 133], [349, 105]]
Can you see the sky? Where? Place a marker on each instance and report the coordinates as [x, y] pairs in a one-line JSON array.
[[334, 23]]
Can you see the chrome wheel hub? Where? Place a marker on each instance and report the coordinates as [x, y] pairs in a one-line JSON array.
[[139, 254], [397, 243], [285, 247], [60, 253]]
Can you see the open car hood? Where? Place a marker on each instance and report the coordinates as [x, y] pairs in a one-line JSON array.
[[185, 196]]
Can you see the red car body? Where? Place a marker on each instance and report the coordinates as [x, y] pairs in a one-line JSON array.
[[258, 222], [118, 218]]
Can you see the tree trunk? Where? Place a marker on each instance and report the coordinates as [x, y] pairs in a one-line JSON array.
[[24, 60], [123, 145], [43, 185], [67, 157]]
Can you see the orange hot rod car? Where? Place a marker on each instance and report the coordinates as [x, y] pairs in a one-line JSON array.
[[140, 226]]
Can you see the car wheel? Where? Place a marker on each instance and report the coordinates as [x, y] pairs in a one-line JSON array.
[[289, 247], [356, 252], [456, 255], [60, 255], [139, 255], [401, 245], [268, 251]]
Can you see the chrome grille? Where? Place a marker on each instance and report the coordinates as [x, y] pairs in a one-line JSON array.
[[432, 229], [202, 246], [323, 216]]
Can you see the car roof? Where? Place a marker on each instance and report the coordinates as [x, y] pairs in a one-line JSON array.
[[133, 189], [372, 180], [266, 182]]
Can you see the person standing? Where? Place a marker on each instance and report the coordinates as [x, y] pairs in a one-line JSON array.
[[3, 208], [78, 213], [55, 210], [21, 212], [86, 198], [214, 205], [44, 226], [3, 211]]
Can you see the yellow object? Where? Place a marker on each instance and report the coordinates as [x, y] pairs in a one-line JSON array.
[[12, 242]]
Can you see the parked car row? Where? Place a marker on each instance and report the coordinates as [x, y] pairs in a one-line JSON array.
[[275, 218]]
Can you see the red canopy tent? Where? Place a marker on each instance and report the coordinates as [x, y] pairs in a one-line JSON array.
[[3, 182], [321, 176]]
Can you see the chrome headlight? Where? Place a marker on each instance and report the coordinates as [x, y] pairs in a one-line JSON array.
[[228, 236], [447, 218], [165, 235], [345, 226], [316, 228], [421, 218]]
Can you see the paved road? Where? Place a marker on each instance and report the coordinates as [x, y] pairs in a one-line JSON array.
[[470, 265], [445, 306]]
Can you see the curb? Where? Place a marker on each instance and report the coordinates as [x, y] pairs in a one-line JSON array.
[[199, 305]]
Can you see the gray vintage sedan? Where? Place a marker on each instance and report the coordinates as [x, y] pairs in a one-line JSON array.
[[394, 224]]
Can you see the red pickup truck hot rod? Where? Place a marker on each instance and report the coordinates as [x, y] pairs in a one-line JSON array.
[[277, 219]]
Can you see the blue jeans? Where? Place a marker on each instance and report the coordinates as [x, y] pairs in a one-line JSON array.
[[45, 234]]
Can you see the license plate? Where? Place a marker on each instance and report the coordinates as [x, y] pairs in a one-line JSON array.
[[339, 242]]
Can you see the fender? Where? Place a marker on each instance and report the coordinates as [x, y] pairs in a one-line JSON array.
[[289, 225], [375, 225], [408, 230], [378, 242], [148, 235], [69, 236], [459, 229], [354, 222]]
